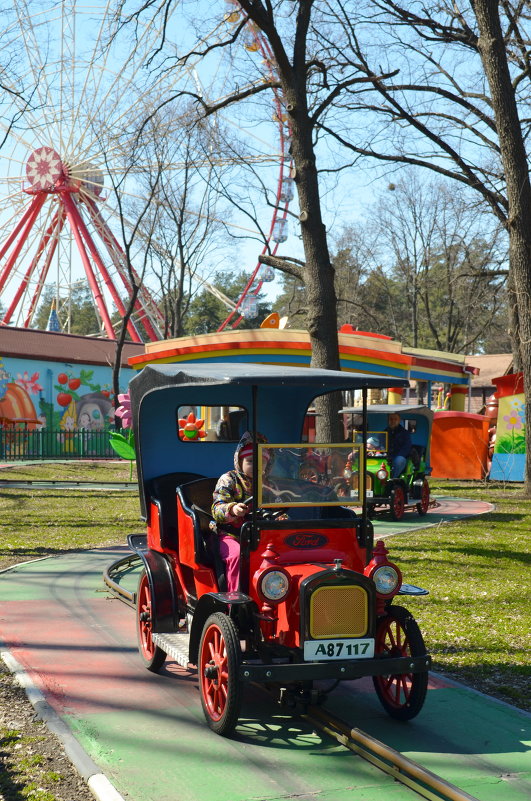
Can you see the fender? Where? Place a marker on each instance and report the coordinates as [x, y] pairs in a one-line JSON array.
[[164, 601], [416, 486], [236, 603], [395, 482]]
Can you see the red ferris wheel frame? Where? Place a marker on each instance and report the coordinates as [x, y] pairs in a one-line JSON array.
[[76, 198]]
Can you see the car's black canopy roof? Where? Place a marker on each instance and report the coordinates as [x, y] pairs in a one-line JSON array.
[[154, 376]]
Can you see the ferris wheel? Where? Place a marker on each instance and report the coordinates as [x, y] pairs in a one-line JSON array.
[[81, 87]]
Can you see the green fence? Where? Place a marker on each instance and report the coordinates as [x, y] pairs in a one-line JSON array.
[[18, 445]]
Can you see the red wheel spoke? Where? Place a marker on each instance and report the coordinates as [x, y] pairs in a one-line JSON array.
[[402, 694], [406, 686]]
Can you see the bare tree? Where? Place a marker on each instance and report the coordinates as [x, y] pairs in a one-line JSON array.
[[449, 267], [137, 225], [448, 90], [423, 267], [295, 39], [406, 85], [188, 229]]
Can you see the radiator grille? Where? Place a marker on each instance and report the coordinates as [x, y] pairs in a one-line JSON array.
[[338, 612], [355, 481]]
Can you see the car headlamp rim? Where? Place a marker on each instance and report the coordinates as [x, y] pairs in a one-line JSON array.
[[266, 585], [387, 579]]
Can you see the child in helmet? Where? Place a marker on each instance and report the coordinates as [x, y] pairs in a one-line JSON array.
[[374, 447], [229, 507]]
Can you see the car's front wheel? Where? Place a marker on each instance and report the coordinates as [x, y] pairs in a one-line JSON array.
[[219, 660], [397, 502], [424, 503], [402, 695]]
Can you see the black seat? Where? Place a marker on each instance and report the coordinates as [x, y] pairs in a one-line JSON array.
[[196, 498], [162, 491], [417, 454]]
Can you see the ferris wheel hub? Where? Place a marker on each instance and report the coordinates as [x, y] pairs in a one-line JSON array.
[[44, 169], [88, 176], [47, 172]]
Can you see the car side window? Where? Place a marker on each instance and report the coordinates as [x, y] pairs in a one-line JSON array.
[[211, 423]]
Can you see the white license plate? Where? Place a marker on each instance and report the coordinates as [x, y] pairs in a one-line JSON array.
[[369, 493], [317, 650]]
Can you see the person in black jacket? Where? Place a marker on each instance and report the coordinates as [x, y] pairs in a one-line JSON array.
[[398, 444]]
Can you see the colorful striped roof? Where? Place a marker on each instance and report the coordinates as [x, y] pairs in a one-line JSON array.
[[359, 352]]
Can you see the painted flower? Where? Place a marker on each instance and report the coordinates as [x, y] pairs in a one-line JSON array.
[[29, 383], [521, 411], [512, 420], [4, 381], [124, 410]]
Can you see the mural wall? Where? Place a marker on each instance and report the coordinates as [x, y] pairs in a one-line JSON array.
[[43, 396], [508, 461]]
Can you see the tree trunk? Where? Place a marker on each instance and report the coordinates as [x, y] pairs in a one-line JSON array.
[[318, 272], [513, 155], [117, 365]]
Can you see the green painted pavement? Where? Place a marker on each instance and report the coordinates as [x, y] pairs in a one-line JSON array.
[[36, 580], [168, 756], [473, 741], [448, 509], [147, 732], [164, 750]]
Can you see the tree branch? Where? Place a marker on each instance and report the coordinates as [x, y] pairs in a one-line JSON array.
[[284, 264]]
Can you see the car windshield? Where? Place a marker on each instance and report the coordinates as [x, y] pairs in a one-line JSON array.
[[376, 442], [309, 475]]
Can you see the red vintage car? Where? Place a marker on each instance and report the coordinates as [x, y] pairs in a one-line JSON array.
[[316, 598]]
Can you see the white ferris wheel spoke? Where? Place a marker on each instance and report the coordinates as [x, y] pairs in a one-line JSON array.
[[33, 55]]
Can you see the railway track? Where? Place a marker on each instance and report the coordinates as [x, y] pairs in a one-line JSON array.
[[92, 485], [387, 759]]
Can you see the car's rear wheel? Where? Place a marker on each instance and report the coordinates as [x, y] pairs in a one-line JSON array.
[[397, 502], [402, 695], [152, 656], [219, 659], [424, 504]]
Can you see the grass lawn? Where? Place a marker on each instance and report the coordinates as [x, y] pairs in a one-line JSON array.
[[476, 620], [43, 522]]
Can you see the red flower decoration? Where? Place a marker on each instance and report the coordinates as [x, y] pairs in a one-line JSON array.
[[191, 428]]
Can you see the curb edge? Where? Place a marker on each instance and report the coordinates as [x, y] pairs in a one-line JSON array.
[[98, 783]]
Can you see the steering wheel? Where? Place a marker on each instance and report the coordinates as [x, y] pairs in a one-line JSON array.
[[270, 514]]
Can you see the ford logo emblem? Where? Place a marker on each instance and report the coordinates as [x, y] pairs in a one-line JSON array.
[[306, 540]]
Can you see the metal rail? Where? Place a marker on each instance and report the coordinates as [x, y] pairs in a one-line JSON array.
[[111, 576], [402, 769], [56, 484]]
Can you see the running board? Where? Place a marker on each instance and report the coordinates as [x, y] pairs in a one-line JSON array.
[[175, 645]]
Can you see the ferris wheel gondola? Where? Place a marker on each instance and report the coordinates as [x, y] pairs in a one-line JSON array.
[[247, 303]]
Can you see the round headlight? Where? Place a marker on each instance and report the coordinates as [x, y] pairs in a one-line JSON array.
[[386, 579], [382, 474], [274, 585]]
